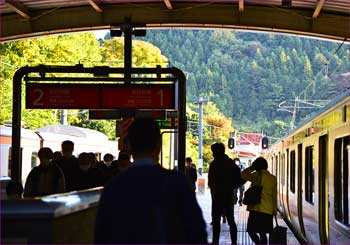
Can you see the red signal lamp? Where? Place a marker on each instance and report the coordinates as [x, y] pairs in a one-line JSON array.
[[311, 130]]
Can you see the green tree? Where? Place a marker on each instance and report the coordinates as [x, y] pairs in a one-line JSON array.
[[51, 50]]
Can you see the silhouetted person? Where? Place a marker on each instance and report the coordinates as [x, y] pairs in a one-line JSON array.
[[93, 159], [69, 164], [87, 176], [106, 165], [147, 203], [249, 162], [45, 179], [57, 157], [14, 190], [108, 159], [224, 176], [191, 172], [260, 220], [124, 162], [240, 189]]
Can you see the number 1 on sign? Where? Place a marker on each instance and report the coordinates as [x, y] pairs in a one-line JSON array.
[[160, 93]]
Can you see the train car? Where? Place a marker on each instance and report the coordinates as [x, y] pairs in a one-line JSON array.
[[30, 144], [85, 140], [312, 168]]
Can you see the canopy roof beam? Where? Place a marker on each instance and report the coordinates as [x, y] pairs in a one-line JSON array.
[[168, 4], [318, 8], [152, 15], [241, 5], [19, 8], [95, 6]]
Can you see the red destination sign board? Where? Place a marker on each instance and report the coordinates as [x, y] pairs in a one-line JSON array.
[[61, 98], [146, 98], [99, 96]]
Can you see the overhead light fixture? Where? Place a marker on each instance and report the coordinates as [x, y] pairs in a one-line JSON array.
[[139, 32], [116, 33]]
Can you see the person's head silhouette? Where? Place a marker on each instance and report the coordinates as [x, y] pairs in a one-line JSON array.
[[144, 138], [218, 149]]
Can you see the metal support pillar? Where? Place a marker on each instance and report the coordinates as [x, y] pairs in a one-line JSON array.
[[127, 29], [16, 156], [64, 117], [200, 136], [181, 133], [200, 102]]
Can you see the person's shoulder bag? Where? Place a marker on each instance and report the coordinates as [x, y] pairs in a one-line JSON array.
[[252, 196], [278, 234]]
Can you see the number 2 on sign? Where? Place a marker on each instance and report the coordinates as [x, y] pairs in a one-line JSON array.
[[160, 93], [40, 94]]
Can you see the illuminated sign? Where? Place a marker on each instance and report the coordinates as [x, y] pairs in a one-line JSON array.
[[100, 96]]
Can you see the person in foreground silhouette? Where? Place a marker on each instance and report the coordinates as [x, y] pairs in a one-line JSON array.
[[223, 177], [260, 220], [147, 203]]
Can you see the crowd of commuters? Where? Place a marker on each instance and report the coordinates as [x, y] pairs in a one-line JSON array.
[[164, 208], [61, 171]]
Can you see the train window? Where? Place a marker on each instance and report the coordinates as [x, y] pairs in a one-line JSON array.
[[282, 169], [292, 171], [98, 156], [344, 114], [34, 160], [275, 166], [9, 163], [341, 180], [309, 175]]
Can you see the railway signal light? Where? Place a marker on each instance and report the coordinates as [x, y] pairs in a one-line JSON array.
[[311, 131], [264, 142], [231, 143]]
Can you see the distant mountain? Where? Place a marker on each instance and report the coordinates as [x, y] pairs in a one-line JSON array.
[[248, 74]]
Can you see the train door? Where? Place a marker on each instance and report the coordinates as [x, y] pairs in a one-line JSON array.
[[341, 180], [277, 174], [323, 189], [286, 183], [292, 194], [348, 149], [282, 181], [300, 189]]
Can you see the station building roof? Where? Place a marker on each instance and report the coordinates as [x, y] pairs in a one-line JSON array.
[[73, 131], [320, 18]]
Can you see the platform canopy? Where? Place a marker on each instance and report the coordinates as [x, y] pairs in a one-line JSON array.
[[320, 18]]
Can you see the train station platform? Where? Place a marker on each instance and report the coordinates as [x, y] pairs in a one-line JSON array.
[[241, 217]]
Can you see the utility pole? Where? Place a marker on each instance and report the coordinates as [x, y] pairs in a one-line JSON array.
[[64, 117], [294, 113], [200, 102], [300, 104]]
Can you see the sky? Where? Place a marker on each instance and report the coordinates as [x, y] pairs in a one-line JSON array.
[[100, 33]]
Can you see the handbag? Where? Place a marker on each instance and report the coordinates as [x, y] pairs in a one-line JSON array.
[[278, 234], [252, 196]]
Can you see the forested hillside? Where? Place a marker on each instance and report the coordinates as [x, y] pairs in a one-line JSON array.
[[248, 74], [68, 50], [244, 75]]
